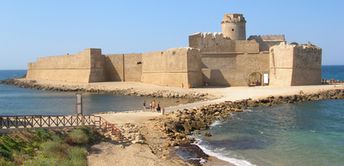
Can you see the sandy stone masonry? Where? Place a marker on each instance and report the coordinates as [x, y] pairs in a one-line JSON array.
[[224, 58]]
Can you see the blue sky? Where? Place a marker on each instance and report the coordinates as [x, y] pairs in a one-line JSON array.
[[31, 29]]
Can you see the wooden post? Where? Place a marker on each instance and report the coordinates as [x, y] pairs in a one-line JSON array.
[[79, 104]]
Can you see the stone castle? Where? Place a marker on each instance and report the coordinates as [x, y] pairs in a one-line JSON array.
[[227, 58]]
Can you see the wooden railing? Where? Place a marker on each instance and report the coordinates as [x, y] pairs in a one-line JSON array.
[[57, 121], [46, 121]]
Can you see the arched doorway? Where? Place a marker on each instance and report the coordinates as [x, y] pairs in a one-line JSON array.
[[255, 79]]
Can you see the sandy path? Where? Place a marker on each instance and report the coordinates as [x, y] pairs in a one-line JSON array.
[[128, 154], [240, 93], [109, 154], [129, 117]]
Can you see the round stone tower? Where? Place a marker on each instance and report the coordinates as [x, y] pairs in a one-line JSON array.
[[234, 26]]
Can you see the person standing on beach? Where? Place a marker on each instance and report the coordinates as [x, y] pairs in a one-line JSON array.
[[158, 108], [144, 105], [153, 105]]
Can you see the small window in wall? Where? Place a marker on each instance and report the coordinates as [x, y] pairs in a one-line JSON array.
[[233, 30], [139, 63]]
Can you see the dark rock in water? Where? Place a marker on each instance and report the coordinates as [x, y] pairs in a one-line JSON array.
[[191, 153], [208, 134]]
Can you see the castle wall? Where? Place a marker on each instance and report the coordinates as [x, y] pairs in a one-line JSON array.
[[179, 67], [228, 62], [124, 67], [233, 69], [307, 66], [267, 41], [114, 67], [69, 68], [292, 65], [281, 65], [97, 70], [215, 42]]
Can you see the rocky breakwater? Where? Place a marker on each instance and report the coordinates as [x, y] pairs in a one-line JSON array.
[[31, 84], [129, 134], [180, 125]]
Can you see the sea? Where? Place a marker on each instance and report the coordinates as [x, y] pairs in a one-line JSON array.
[[20, 101], [302, 134]]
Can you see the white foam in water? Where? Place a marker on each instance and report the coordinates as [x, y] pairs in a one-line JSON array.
[[234, 161], [247, 110], [215, 123]]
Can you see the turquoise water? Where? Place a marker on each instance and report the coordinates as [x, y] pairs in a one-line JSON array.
[[333, 72], [19, 101], [303, 134], [310, 133]]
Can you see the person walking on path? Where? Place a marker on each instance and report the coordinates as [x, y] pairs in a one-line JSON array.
[[144, 105], [158, 108], [153, 105]]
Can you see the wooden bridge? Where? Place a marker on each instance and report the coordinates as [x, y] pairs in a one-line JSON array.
[[56, 121]]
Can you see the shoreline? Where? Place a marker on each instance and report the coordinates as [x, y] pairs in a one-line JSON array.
[[181, 125], [95, 88], [163, 133], [180, 121]]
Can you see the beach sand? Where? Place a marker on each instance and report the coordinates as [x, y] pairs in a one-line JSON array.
[[123, 154]]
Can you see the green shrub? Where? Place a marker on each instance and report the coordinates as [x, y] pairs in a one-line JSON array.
[[5, 152], [78, 137], [10, 143], [77, 157], [19, 158], [4, 162], [75, 162], [77, 153], [7, 146], [94, 136], [41, 161], [54, 149], [42, 147], [42, 135]]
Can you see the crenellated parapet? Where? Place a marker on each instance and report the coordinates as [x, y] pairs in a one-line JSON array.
[[293, 64], [233, 18], [217, 43], [267, 41]]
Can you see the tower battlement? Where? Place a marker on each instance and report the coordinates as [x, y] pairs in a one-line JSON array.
[[233, 18], [234, 26]]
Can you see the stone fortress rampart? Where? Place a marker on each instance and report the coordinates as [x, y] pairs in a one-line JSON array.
[[224, 58], [292, 64], [87, 66]]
